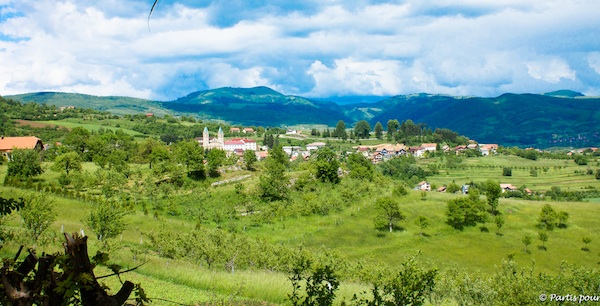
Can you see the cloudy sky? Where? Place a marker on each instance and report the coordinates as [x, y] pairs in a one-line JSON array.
[[325, 48]]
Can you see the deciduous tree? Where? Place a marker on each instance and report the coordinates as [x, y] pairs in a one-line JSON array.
[[378, 130], [37, 214], [362, 129], [388, 212], [327, 166], [67, 162]]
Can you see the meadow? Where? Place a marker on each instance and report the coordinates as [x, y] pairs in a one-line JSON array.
[[348, 232]]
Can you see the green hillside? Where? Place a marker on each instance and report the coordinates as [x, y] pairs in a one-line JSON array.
[[557, 119], [257, 106], [112, 104], [510, 119]]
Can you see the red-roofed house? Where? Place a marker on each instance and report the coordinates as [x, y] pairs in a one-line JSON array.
[[234, 130], [8, 144], [248, 130]]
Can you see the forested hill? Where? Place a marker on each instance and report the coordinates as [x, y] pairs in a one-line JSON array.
[[560, 118], [510, 119]]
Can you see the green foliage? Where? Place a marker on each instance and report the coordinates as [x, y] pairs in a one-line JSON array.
[[378, 130], [506, 171], [106, 220], [403, 168], [543, 237], [215, 158], [360, 167], [24, 164], [67, 162], [362, 129], [38, 213], [392, 127], [422, 222], [190, 154], [526, 241], [321, 283], [466, 211], [273, 182], [410, 284], [388, 213], [580, 159], [549, 219], [326, 166], [399, 190], [340, 130], [499, 220], [453, 188], [492, 193], [250, 159]]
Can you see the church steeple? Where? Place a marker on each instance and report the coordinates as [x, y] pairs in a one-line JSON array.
[[220, 136], [205, 138]]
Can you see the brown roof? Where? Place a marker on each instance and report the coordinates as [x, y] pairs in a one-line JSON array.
[[7, 144]]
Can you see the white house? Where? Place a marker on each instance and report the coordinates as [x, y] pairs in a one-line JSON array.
[[315, 146]]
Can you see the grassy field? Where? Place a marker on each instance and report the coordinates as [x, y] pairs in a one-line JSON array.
[[351, 233], [90, 126]]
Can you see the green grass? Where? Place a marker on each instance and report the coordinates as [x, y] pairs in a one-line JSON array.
[[351, 233], [91, 126]]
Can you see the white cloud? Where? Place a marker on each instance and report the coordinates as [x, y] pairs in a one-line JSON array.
[[333, 47], [594, 61], [551, 71]]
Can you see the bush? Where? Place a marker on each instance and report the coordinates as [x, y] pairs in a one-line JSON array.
[[506, 171]]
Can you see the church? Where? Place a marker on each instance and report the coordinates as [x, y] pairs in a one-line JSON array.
[[226, 145]]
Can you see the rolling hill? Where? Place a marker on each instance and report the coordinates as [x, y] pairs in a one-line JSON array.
[[561, 118]]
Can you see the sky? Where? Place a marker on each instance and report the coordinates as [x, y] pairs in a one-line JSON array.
[[316, 49]]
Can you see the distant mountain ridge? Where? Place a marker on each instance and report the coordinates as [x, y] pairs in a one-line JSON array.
[[559, 118]]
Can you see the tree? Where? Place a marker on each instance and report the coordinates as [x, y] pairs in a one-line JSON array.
[[37, 214], [499, 220], [360, 167], [526, 241], [152, 151], [452, 188], [250, 159], [586, 240], [362, 129], [190, 154], [550, 219], [492, 191], [215, 159], [67, 162], [340, 130], [24, 164], [410, 284], [392, 127], [388, 212], [378, 130], [506, 171], [327, 166], [273, 182], [422, 222], [106, 220], [543, 237], [467, 211], [77, 140]]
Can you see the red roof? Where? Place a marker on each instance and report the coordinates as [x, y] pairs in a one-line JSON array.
[[7, 144], [234, 142]]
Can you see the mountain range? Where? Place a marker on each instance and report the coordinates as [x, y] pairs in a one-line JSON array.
[[561, 118]]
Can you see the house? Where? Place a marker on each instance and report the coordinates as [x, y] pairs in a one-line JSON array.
[[239, 143], [465, 189], [416, 151], [248, 130], [423, 186], [261, 155], [442, 189], [431, 147], [528, 191], [290, 149], [291, 132], [508, 187], [315, 146], [487, 149], [8, 144], [472, 146], [234, 130]]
